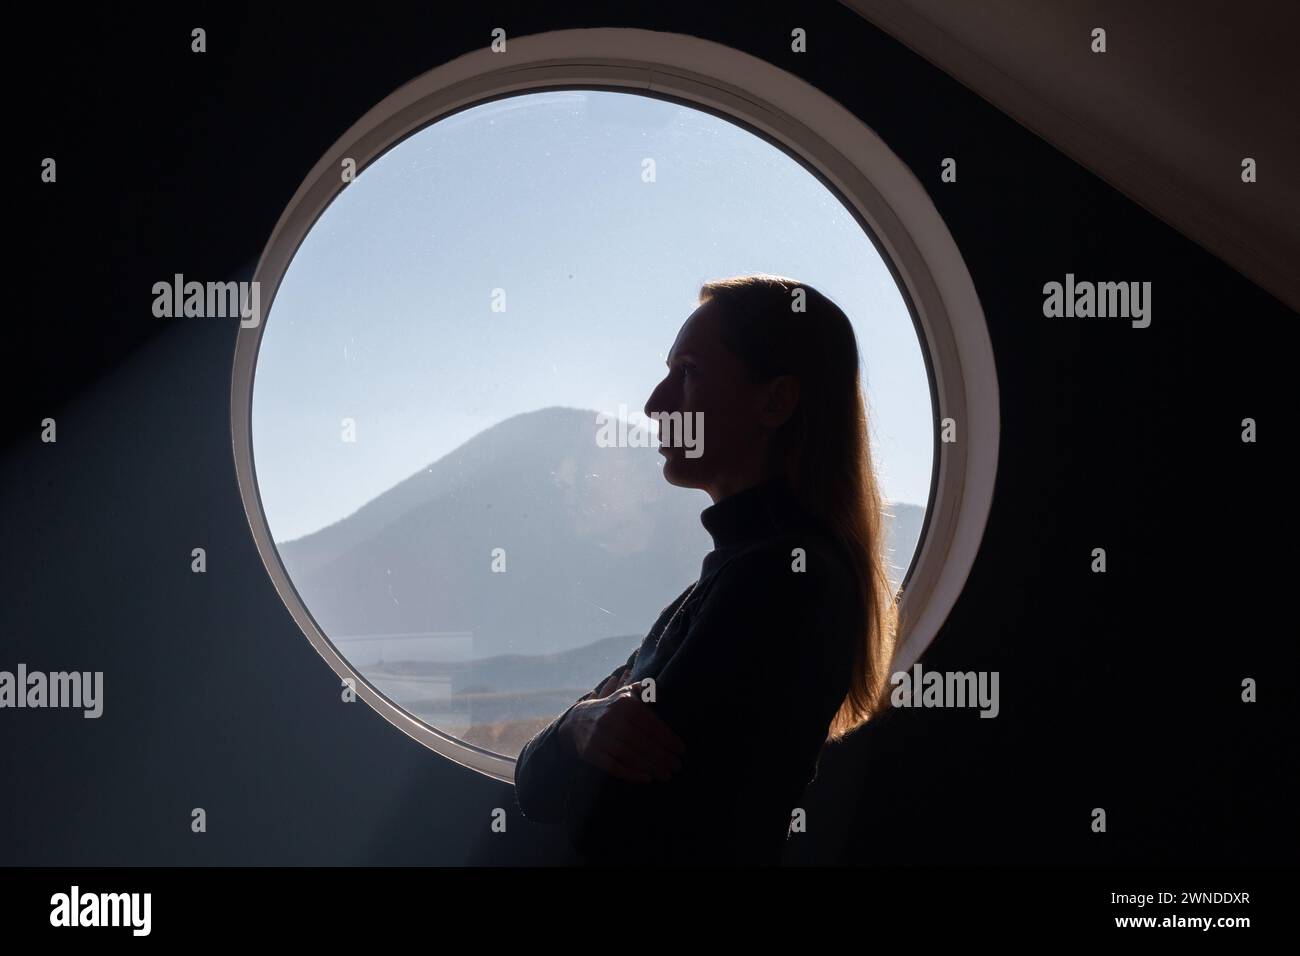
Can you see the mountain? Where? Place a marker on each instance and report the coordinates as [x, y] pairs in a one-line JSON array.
[[595, 543]]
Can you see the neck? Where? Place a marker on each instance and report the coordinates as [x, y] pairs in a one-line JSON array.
[[754, 514], [730, 485]]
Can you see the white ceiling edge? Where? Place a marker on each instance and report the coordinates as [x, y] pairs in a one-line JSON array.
[[1256, 236]]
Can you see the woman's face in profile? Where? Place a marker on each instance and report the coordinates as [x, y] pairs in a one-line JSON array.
[[723, 445]]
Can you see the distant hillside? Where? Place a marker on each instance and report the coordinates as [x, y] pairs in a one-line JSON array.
[[576, 669], [499, 702]]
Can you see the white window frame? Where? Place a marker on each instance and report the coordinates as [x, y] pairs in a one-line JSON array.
[[827, 139]]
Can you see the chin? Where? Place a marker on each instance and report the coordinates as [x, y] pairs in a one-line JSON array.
[[681, 477]]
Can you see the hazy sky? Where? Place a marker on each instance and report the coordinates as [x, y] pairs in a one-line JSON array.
[[385, 315]]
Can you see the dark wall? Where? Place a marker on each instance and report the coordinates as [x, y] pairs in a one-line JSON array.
[[1119, 690]]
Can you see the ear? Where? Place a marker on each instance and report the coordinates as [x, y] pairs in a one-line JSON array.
[[780, 401]]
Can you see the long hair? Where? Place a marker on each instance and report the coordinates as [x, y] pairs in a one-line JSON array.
[[777, 325]]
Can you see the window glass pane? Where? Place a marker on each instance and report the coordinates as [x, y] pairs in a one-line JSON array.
[[430, 375]]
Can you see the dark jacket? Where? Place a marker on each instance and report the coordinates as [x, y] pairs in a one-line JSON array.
[[750, 665]]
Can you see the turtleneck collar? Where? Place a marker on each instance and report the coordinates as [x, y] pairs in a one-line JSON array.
[[761, 511]]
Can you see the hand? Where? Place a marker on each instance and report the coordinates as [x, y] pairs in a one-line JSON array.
[[614, 681], [620, 733]]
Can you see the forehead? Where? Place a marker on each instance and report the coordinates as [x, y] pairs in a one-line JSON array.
[[699, 334]]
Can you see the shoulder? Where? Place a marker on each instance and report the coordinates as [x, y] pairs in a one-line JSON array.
[[793, 564], [813, 553], [788, 610]]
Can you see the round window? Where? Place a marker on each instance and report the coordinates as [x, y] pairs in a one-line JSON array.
[[463, 311]]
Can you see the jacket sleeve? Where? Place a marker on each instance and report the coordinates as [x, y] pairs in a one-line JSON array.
[[545, 766]]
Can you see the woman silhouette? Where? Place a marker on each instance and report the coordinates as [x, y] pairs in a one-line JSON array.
[[699, 748]]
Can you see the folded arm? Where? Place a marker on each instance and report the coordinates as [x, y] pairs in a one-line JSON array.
[[545, 766]]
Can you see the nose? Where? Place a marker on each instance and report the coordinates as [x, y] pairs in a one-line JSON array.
[[655, 403]]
